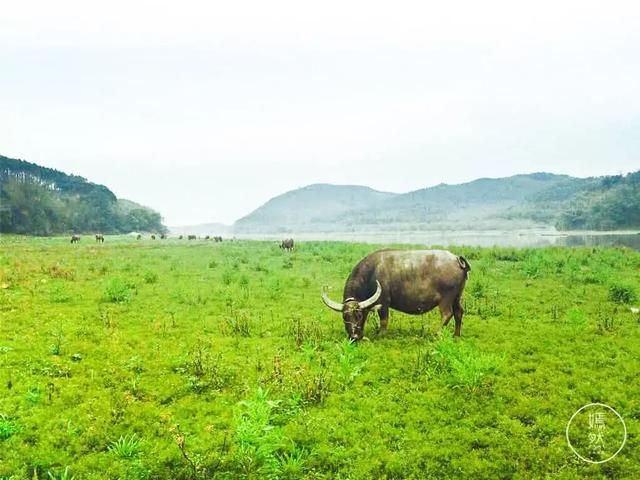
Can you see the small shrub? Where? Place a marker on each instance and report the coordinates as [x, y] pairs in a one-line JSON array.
[[119, 291], [7, 427], [150, 277], [126, 446], [623, 294], [213, 264], [238, 325]]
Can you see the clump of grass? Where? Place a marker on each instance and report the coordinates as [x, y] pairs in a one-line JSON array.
[[465, 366], [119, 291], [305, 331], [59, 293], [316, 388], [238, 325], [127, 446], [8, 427], [350, 361], [622, 293], [150, 277], [213, 264], [58, 271], [261, 443], [64, 475]]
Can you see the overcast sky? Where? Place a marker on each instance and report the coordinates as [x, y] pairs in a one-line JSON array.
[[205, 110]]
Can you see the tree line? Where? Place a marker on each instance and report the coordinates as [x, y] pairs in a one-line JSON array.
[[36, 200]]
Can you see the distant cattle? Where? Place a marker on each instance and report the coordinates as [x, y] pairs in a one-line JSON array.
[[217, 239], [138, 237], [163, 236], [100, 238], [287, 244], [153, 237], [207, 237], [180, 237], [191, 237], [75, 238]]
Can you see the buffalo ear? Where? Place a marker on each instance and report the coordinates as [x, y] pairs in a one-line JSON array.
[[375, 308]]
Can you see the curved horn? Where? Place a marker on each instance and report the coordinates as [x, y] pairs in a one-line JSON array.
[[370, 301], [330, 303]]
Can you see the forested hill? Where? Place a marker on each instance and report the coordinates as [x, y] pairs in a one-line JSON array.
[[36, 200], [536, 200]]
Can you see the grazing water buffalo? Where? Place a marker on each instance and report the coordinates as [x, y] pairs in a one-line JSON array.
[[100, 238], [180, 237], [217, 239], [138, 237], [163, 236], [410, 281], [191, 237], [153, 237], [75, 238], [287, 244]]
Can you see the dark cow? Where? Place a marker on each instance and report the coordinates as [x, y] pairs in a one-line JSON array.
[[163, 236], [217, 239], [287, 244], [138, 237], [75, 238], [100, 238], [410, 281], [153, 237], [207, 237], [180, 237], [191, 237]]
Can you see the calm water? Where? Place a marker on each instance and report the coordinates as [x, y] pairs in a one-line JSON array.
[[525, 238]]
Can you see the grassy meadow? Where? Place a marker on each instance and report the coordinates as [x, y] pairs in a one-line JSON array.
[[195, 360]]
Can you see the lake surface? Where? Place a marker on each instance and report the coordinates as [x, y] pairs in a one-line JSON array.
[[523, 238]]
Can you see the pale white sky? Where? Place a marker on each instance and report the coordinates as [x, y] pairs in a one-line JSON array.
[[204, 110]]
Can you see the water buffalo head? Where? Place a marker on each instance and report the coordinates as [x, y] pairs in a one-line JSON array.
[[354, 312]]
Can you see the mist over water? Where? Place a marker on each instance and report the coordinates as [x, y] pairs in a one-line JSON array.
[[470, 238]]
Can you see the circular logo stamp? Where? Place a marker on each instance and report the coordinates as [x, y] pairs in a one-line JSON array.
[[596, 433]]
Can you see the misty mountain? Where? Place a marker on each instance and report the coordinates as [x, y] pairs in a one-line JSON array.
[[310, 207], [537, 200]]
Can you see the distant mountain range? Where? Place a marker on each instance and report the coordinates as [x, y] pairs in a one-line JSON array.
[[37, 200], [536, 200]]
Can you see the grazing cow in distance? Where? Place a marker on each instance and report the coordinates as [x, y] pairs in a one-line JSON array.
[[207, 237], [191, 237], [287, 244], [217, 239], [100, 238], [75, 238], [180, 237], [163, 236], [410, 281], [153, 237], [138, 237]]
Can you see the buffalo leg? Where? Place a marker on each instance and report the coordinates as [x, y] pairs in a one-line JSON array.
[[383, 313], [446, 313], [458, 311]]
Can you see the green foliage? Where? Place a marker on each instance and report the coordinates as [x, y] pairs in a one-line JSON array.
[[258, 380], [8, 427], [63, 475], [119, 291], [623, 294], [41, 201], [127, 446]]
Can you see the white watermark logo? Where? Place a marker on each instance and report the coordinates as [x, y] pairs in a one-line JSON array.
[[596, 433]]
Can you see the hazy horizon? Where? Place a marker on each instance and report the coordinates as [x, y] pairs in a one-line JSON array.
[[205, 112]]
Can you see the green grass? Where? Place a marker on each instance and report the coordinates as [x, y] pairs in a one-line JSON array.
[[197, 360]]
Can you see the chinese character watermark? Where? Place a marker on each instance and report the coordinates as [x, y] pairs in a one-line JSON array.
[[596, 433]]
